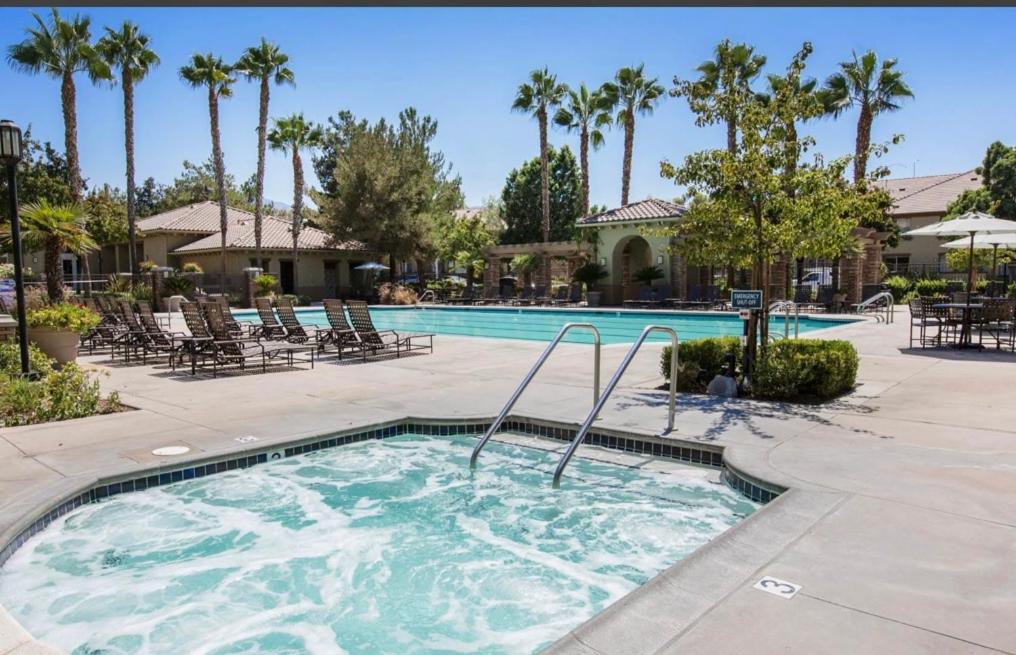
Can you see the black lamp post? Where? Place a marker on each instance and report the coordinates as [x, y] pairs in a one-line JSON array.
[[10, 155]]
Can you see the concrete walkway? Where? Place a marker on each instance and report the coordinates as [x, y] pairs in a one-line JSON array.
[[900, 526]]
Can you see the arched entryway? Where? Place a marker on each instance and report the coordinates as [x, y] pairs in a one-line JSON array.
[[631, 254]]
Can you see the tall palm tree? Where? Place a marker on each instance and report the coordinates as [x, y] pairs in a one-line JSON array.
[[62, 49], [127, 49], [721, 81], [54, 229], [585, 112], [292, 134], [211, 72], [633, 93], [265, 63], [874, 89], [538, 97]]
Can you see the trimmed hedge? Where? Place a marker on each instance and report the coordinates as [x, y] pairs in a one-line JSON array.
[[699, 360], [806, 369], [930, 287]]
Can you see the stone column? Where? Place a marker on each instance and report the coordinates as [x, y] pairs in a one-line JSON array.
[[850, 277], [249, 288], [778, 279], [158, 277], [491, 272], [872, 263]]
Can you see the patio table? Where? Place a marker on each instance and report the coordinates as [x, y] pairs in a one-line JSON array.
[[965, 330]]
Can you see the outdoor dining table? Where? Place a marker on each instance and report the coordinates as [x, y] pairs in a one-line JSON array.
[[965, 330]]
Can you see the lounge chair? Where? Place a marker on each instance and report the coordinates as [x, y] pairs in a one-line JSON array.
[[225, 350], [525, 297], [132, 337], [270, 327], [103, 334], [644, 300], [572, 297], [340, 333], [296, 332], [159, 341], [375, 342]]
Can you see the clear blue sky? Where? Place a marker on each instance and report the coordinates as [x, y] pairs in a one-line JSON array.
[[462, 66]]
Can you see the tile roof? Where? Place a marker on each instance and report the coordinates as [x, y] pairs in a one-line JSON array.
[[930, 194], [203, 219], [642, 210]]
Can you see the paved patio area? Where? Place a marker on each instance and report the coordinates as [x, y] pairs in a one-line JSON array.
[[900, 526]]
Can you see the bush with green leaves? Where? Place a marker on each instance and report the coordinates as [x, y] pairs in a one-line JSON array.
[[264, 285], [926, 288], [63, 316], [699, 360], [147, 266], [177, 285], [900, 286], [192, 267], [56, 395], [648, 275], [806, 369], [590, 274]]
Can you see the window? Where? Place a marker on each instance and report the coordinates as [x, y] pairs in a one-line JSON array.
[[896, 263]]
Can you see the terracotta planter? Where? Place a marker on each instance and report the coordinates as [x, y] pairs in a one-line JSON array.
[[61, 345]]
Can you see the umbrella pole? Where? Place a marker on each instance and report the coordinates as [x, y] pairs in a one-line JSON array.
[[967, 318], [994, 269]]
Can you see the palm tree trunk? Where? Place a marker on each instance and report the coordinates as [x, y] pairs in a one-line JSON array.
[[629, 140], [544, 190], [220, 175], [584, 163], [862, 143], [732, 135], [260, 184], [128, 123], [54, 270], [68, 100], [297, 211]]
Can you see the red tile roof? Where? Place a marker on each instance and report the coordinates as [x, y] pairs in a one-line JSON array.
[[930, 194], [642, 210]]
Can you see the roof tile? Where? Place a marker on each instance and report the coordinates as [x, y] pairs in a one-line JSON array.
[[648, 209]]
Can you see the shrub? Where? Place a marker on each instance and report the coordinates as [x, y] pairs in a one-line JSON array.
[[63, 316], [648, 275], [396, 294], [806, 369], [147, 266], [7, 271], [900, 287], [930, 287], [192, 267], [981, 285], [590, 275], [177, 285], [699, 360], [142, 292], [264, 285], [55, 396]]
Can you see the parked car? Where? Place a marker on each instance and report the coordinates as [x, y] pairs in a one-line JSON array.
[[815, 278]]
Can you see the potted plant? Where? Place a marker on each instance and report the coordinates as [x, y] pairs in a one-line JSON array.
[[648, 275], [57, 329], [590, 275]]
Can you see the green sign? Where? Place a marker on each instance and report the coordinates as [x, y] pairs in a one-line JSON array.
[[745, 299]]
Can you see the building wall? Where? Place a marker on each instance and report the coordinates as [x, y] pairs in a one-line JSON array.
[[310, 273], [923, 252], [612, 243]]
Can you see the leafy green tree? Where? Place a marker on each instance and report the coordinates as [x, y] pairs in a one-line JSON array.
[[195, 183], [54, 229], [874, 89], [631, 93], [106, 217], [384, 184], [585, 112], [997, 194], [128, 50], [148, 197], [264, 63], [293, 134], [539, 97], [521, 199], [723, 83], [465, 241], [212, 73], [42, 175]]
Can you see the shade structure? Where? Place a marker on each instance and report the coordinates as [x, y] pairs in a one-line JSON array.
[[964, 225], [985, 241], [371, 266]]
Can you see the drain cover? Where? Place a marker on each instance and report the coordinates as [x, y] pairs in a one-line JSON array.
[[167, 451]]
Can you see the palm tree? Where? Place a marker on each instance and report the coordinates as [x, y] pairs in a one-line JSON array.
[[127, 49], [874, 89], [585, 112], [54, 229], [722, 79], [634, 93], [211, 72], [292, 134], [538, 97], [265, 63], [61, 49]]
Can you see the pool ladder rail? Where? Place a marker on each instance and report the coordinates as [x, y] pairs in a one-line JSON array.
[[599, 400]]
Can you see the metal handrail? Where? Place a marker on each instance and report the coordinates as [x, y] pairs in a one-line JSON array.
[[581, 434], [532, 373], [890, 305], [786, 306], [424, 295]]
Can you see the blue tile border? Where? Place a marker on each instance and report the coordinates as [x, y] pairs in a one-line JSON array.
[[684, 451]]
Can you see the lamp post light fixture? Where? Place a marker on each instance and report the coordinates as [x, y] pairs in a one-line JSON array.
[[10, 154]]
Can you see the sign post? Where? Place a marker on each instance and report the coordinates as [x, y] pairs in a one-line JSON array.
[[748, 302]]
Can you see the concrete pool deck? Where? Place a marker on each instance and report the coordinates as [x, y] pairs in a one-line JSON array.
[[900, 526]]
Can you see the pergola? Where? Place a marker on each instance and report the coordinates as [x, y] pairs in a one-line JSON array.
[[573, 254]]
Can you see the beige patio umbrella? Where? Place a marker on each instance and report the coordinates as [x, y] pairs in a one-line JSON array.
[[985, 241], [970, 224]]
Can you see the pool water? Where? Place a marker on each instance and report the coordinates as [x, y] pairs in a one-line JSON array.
[[380, 547], [542, 324]]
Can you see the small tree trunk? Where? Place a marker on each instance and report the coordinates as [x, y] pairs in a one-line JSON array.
[[127, 82], [629, 141], [584, 163], [220, 176], [259, 185], [862, 143]]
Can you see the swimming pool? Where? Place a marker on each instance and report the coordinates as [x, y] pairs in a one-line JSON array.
[[378, 547], [616, 326]]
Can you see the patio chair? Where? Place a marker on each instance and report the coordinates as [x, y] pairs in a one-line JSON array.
[[645, 298], [246, 328], [270, 327], [560, 296], [340, 333], [158, 340], [997, 321], [103, 334], [225, 350], [925, 316], [296, 332], [540, 296], [375, 342], [571, 297], [132, 337]]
